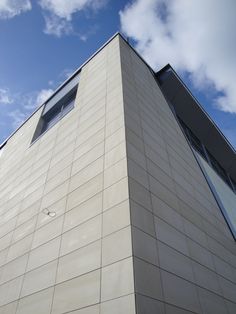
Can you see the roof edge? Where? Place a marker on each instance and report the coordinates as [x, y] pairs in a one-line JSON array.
[[168, 66], [64, 83]]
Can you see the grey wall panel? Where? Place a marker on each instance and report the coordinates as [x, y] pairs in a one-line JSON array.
[[169, 191]]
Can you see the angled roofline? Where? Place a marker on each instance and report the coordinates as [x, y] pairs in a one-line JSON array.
[[62, 85], [167, 67], [72, 76]]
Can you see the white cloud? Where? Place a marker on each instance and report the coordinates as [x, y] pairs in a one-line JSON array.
[[5, 97], [11, 8], [62, 77], [17, 118], [42, 96], [193, 36], [57, 26], [58, 14], [24, 104], [66, 73], [65, 9]]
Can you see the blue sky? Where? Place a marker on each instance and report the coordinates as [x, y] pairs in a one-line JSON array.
[[44, 41]]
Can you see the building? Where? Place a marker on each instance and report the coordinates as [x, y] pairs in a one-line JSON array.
[[118, 196]]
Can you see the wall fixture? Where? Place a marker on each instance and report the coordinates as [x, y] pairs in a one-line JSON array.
[[49, 213]]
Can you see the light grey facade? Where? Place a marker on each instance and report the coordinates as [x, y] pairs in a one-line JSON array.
[[134, 228]]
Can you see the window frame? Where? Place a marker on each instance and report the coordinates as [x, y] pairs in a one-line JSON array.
[[58, 111], [198, 146]]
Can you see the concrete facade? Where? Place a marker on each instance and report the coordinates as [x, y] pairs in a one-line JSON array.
[[136, 230]]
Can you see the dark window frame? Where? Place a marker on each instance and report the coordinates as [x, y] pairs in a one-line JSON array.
[[55, 114], [203, 151]]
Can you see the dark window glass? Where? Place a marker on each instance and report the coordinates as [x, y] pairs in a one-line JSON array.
[[234, 184], [51, 118], [198, 146], [57, 112], [69, 104], [219, 169], [193, 139]]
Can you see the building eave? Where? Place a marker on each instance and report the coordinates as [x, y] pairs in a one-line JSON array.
[[192, 113]]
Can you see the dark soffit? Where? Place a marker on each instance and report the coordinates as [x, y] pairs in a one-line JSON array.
[[194, 116]]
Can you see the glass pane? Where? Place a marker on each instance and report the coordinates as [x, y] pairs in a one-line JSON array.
[[225, 196], [234, 184], [195, 142], [68, 106], [220, 170], [51, 118]]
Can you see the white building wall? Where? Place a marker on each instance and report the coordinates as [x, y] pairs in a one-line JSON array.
[[184, 253], [136, 229], [81, 259]]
